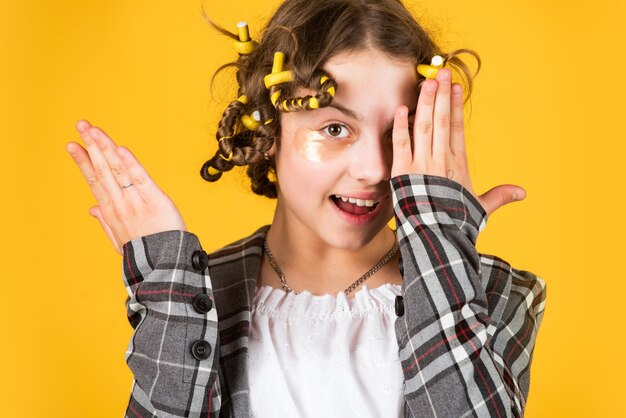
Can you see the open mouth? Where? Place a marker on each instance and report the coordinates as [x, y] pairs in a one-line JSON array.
[[354, 206]]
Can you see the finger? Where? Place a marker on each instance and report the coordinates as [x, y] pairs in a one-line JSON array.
[[116, 165], [501, 195], [140, 178], [441, 133], [457, 123], [423, 129], [97, 213], [401, 138], [83, 161], [100, 164], [108, 149], [82, 125]]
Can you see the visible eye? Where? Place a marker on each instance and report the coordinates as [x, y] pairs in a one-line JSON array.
[[336, 131]]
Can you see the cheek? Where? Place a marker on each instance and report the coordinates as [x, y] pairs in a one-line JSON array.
[[303, 181]]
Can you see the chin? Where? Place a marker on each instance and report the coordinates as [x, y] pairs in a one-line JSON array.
[[354, 238]]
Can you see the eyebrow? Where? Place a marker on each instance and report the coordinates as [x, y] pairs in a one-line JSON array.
[[346, 111], [355, 115]]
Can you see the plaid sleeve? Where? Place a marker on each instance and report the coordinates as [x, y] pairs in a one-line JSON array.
[[452, 363], [172, 352]]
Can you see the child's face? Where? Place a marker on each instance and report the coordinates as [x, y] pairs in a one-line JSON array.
[[344, 149]]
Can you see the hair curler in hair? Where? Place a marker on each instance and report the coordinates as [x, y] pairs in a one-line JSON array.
[[430, 71]]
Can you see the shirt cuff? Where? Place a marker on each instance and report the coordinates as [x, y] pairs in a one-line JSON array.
[[439, 201], [144, 254]]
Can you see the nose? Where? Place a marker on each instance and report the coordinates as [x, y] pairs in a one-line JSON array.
[[370, 159]]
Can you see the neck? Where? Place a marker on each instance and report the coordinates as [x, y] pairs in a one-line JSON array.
[[310, 263]]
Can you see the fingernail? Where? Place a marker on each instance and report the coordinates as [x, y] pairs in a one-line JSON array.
[[81, 126], [70, 149], [431, 87], [445, 75]]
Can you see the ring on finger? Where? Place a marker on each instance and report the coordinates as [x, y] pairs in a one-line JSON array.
[[128, 185]]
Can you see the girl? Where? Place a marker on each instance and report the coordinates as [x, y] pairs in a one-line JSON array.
[[342, 117]]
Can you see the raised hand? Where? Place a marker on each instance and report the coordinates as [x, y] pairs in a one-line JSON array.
[[439, 141], [130, 204]]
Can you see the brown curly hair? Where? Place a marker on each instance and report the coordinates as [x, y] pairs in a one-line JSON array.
[[309, 33]]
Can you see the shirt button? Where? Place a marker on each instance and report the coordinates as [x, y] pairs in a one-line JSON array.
[[399, 305], [202, 303], [199, 260], [201, 350]]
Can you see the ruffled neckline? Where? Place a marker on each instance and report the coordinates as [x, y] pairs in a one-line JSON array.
[[275, 302]]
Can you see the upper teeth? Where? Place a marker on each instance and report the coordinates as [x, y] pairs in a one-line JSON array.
[[358, 202]]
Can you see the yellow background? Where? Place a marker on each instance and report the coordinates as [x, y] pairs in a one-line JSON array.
[[548, 114]]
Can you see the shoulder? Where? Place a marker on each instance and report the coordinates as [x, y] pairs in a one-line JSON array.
[[242, 247], [237, 262]]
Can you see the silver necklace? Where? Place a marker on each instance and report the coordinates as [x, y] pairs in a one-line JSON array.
[[350, 288]]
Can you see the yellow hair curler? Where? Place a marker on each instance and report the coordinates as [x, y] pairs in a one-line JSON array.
[[230, 156], [277, 76], [331, 90], [430, 71], [313, 102], [251, 121], [245, 45], [213, 171]]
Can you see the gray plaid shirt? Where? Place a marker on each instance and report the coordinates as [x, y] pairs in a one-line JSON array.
[[466, 336]]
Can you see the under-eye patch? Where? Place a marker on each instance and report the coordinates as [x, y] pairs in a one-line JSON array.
[[316, 147]]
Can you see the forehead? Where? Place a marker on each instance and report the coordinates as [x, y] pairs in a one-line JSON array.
[[369, 77]]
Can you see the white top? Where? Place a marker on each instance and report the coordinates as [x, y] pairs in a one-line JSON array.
[[325, 356]]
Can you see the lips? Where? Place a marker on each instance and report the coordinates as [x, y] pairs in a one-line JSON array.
[[358, 215]]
